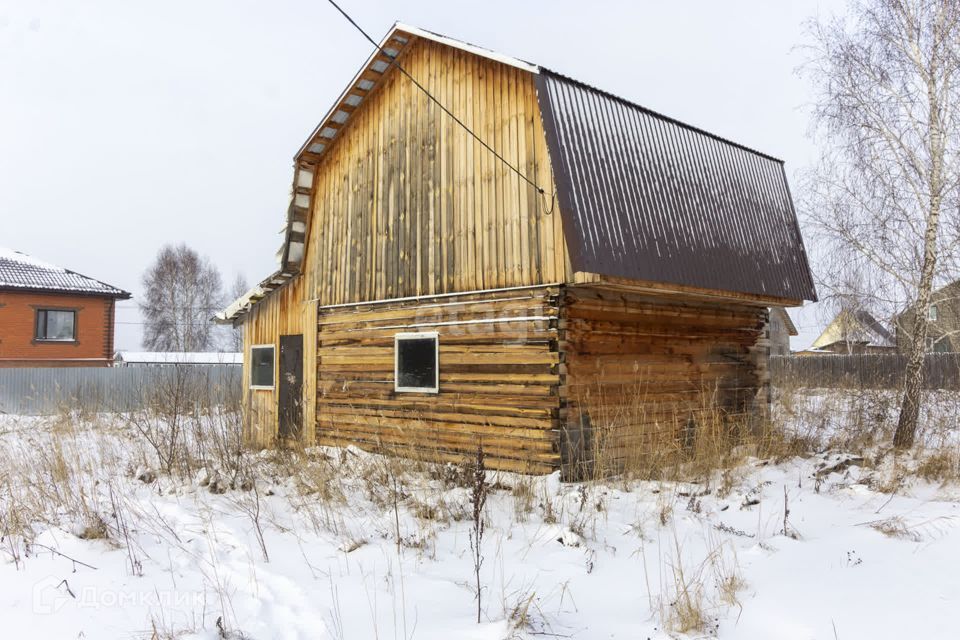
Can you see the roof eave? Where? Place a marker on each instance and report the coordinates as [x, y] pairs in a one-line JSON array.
[[119, 294]]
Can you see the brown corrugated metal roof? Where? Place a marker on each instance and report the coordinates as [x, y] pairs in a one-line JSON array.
[[646, 197]]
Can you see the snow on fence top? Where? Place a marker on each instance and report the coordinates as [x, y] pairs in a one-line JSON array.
[[170, 357], [22, 272]]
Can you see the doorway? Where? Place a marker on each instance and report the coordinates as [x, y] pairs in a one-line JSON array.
[[291, 387]]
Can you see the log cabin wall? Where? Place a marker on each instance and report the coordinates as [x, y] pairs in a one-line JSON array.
[[498, 379], [407, 203], [640, 369], [284, 312]]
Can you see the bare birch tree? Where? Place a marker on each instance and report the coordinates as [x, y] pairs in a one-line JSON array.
[[182, 291], [885, 196]]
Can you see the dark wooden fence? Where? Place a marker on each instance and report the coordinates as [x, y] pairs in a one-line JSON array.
[[862, 371]]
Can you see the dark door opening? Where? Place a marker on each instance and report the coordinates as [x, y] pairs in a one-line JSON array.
[[291, 386]]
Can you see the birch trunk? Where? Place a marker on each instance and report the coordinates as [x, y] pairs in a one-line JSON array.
[[913, 376]]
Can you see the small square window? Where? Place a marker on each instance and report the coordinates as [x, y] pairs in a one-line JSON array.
[[416, 363], [56, 325], [261, 366], [933, 313]]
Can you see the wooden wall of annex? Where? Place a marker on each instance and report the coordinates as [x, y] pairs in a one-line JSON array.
[[284, 312], [642, 371], [409, 204]]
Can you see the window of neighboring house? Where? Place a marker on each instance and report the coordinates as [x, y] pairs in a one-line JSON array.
[[941, 346], [938, 344], [933, 313], [56, 325], [261, 366], [416, 362]]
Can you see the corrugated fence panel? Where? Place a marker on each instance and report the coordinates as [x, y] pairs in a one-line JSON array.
[[862, 371], [38, 391], [649, 198]]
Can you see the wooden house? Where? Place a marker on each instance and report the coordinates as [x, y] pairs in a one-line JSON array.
[[53, 317], [855, 331], [512, 257], [943, 316]]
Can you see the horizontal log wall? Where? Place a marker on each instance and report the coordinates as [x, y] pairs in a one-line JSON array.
[[499, 378], [283, 312], [409, 204], [637, 367]]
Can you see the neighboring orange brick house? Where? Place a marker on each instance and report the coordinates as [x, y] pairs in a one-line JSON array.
[[53, 317]]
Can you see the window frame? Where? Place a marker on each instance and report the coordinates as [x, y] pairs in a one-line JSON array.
[[933, 313], [397, 338], [45, 310], [273, 368]]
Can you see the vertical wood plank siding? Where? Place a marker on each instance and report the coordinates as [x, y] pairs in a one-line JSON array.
[[498, 379], [637, 367], [282, 313], [409, 204]]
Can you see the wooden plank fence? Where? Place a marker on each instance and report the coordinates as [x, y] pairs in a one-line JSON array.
[[861, 371]]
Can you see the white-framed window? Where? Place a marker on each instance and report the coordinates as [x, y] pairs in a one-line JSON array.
[[416, 362], [261, 366], [933, 313]]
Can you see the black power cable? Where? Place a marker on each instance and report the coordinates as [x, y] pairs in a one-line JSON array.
[[393, 61]]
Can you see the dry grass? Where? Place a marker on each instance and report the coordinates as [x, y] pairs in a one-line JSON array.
[[693, 593], [69, 481], [940, 466]]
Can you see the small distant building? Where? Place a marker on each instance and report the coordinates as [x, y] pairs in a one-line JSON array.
[[169, 358], [943, 330], [779, 330], [855, 332], [53, 317]]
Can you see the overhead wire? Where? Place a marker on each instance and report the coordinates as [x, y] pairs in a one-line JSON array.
[[395, 63]]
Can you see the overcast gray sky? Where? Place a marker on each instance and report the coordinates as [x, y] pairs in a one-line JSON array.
[[125, 125]]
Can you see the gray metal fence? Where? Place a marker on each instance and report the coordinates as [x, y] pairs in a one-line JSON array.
[[36, 391], [862, 371]]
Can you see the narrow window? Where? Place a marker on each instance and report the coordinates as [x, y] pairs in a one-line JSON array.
[[261, 366], [934, 313], [416, 366], [56, 325]]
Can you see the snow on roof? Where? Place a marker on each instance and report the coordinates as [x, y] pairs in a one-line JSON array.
[[21, 271], [172, 357], [857, 326], [244, 303]]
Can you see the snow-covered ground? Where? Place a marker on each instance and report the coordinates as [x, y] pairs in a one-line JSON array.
[[100, 542]]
